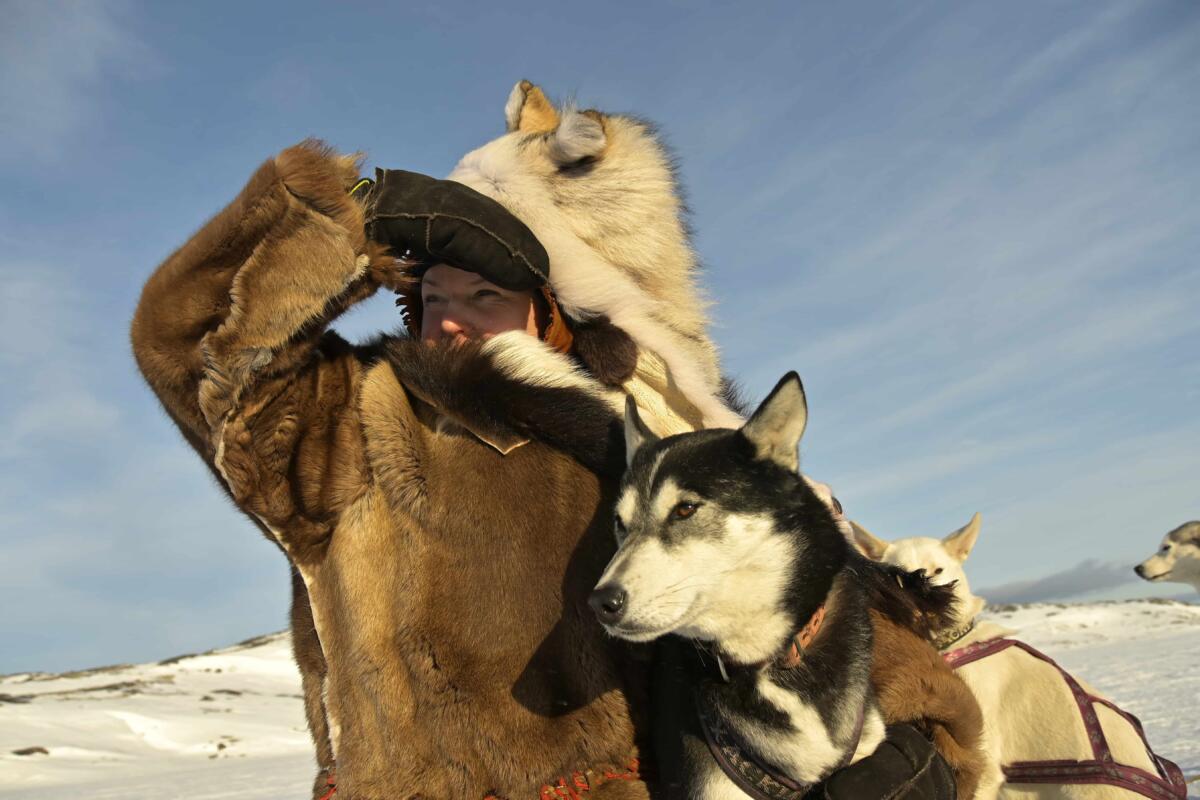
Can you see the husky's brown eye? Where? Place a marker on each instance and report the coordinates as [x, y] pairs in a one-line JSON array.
[[937, 571], [684, 510]]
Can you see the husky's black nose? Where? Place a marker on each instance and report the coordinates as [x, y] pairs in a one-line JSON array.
[[1140, 570], [609, 603]]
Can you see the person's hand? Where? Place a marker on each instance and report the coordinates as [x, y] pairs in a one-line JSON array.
[[439, 221], [904, 767]]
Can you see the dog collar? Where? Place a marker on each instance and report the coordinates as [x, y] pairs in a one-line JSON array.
[[948, 638], [794, 654]]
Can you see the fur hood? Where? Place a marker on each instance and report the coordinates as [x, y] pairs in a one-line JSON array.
[[599, 191]]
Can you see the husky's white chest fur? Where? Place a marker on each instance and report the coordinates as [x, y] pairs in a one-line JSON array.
[[805, 749], [808, 750]]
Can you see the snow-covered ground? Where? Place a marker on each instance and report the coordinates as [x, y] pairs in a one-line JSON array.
[[224, 724], [230, 724]]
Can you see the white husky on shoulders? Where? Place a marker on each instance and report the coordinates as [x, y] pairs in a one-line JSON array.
[[1034, 727]]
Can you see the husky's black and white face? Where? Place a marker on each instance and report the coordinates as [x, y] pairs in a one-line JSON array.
[[1177, 559], [716, 529]]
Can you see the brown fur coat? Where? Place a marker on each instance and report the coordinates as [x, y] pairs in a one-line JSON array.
[[447, 579]]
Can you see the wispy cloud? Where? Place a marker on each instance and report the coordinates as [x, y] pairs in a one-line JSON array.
[[102, 513], [53, 398], [55, 59]]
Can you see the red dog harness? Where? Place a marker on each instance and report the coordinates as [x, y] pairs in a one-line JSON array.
[[1168, 784]]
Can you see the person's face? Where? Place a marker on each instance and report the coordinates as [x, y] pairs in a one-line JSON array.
[[460, 305]]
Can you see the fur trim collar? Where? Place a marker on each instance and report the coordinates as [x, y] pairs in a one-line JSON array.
[[512, 389]]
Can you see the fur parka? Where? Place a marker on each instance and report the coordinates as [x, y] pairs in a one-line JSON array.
[[447, 510]]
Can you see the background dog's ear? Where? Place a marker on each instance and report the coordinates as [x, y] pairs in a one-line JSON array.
[[580, 135], [959, 543], [872, 546], [636, 432], [528, 110], [776, 427]]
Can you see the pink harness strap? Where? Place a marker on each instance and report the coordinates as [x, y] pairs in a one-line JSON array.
[[1168, 784]]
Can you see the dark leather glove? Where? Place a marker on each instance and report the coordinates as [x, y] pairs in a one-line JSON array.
[[449, 222], [904, 767]]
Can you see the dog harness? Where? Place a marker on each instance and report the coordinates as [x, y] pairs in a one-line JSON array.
[[762, 781], [574, 788], [1168, 784]]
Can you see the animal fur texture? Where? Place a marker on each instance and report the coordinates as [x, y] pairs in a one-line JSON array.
[[1177, 559], [914, 685], [1028, 710], [446, 540], [599, 191], [722, 544]]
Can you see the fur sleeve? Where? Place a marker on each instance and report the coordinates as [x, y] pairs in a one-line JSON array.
[[232, 324], [251, 292]]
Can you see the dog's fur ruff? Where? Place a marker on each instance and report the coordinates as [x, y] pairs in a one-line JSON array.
[[1177, 559], [600, 192], [1029, 712], [742, 576]]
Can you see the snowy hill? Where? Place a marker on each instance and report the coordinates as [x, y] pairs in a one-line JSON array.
[[230, 723]]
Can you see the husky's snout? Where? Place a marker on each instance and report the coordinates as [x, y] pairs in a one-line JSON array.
[[609, 603]]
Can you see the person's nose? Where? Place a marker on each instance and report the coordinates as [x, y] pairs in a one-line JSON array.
[[454, 327]]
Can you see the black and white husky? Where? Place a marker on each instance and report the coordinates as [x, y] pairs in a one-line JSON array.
[[723, 544]]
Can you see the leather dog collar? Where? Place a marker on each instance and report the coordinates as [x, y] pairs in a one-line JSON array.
[[794, 654]]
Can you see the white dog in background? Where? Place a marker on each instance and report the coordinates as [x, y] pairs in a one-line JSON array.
[[1177, 560], [1029, 709]]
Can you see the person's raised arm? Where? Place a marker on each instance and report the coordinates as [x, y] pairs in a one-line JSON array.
[[230, 333], [253, 289]]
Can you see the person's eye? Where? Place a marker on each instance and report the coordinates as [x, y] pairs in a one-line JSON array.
[[486, 294], [430, 299]]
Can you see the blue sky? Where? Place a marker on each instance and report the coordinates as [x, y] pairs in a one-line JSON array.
[[971, 226]]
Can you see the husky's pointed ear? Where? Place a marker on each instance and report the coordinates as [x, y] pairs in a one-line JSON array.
[[636, 432], [959, 543], [528, 110], [580, 135], [777, 425], [871, 545]]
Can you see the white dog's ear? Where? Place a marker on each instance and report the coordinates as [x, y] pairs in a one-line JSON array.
[[636, 433], [777, 425], [528, 110], [580, 135], [872, 546], [959, 543]]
